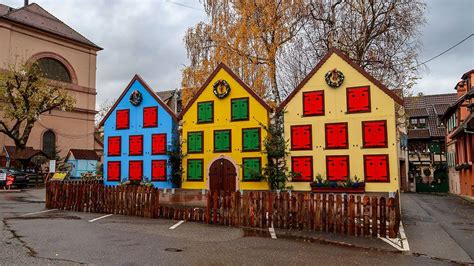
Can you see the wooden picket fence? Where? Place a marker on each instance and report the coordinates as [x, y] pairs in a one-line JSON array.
[[336, 213]]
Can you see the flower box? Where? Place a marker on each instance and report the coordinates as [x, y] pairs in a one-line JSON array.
[[360, 189]]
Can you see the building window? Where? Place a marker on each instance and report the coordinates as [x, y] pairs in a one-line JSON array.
[[135, 170], [301, 137], [158, 144], [302, 167], [122, 119], [418, 122], [313, 103], [376, 168], [53, 69], [158, 170], [49, 144], [195, 170], [374, 134], [135, 145], [336, 136], [251, 168], [337, 167], [195, 142], [205, 112], [113, 171], [222, 140], [240, 109], [150, 116], [251, 139], [114, 146], [358, 99]]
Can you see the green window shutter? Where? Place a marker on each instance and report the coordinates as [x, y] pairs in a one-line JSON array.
[[205, 112], [194, 169], [222, 140], [240, 109], [251, 139], [251, 168], [195, 142]]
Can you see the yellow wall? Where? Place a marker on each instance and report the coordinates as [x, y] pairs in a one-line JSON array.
[[382, 108], [222, 120]]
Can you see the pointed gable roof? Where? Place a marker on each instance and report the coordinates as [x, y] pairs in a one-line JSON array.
[[332, 51], [235, 77], [35, 16], [148, 89]]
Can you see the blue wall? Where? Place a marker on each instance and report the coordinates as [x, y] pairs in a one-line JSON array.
[[81, 167], [166, 124]]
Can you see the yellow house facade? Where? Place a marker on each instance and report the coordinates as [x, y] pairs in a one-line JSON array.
[[222, 135], [340, 123]]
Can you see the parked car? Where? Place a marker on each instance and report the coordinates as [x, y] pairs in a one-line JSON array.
[[21, 179]]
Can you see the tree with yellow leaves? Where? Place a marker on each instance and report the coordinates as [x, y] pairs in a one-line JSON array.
[[273, 44]]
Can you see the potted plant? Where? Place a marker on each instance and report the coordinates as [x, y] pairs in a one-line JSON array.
[[348, 186]]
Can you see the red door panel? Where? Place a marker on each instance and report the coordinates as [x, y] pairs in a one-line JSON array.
[[337, 167], [113, 146], [113, 171], [301, 138], [150, 116], [374, 134], [336, 136], [158, 170], [358, 99], [158, 144], [303, 166], [135, 170], [376, 168], [313, 103], [135, 145], [122, 119]]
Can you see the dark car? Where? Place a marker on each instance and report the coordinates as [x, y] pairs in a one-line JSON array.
[[21, 179]]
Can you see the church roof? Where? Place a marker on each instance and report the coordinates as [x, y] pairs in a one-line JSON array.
[[36, 17]]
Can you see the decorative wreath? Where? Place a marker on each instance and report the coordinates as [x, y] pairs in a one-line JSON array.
[[334, 78], [221, 89], [136, 98]]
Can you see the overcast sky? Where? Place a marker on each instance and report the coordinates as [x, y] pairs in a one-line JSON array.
[[146, 37]]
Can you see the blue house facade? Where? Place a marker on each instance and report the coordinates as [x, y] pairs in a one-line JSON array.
[[81, 162], [138, 132]]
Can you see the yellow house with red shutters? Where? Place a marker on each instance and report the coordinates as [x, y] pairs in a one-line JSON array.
[[222, 135], [340, 124]]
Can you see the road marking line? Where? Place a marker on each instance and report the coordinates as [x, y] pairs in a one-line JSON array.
[[400, 243], [98, 218], [176, 225], [32, 213], [272, 232]]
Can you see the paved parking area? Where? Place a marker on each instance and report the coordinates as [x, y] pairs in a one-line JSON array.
[[62, 237]]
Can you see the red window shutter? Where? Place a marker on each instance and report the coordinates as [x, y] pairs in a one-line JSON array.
[[303, 167], [358, 99], [150, 116], [374, 134], [113, 171], [376, 168], [135, 170], [301, 137], [313, 103], [158, 170], [113, 146], [158, 144], [122, 119], [135, 146], [337, 167], [336, 136]]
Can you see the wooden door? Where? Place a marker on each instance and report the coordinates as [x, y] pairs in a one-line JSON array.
[[222, 175]]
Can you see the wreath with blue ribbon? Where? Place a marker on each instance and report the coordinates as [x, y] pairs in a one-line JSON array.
[[136, 98]]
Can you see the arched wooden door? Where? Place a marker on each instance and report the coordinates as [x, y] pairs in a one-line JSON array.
[[222, 175]]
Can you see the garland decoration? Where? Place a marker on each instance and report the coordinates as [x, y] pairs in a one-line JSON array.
[[221, 89], [136, 98], [334, 78]]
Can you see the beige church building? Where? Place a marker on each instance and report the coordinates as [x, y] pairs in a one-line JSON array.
[[31, 33]]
